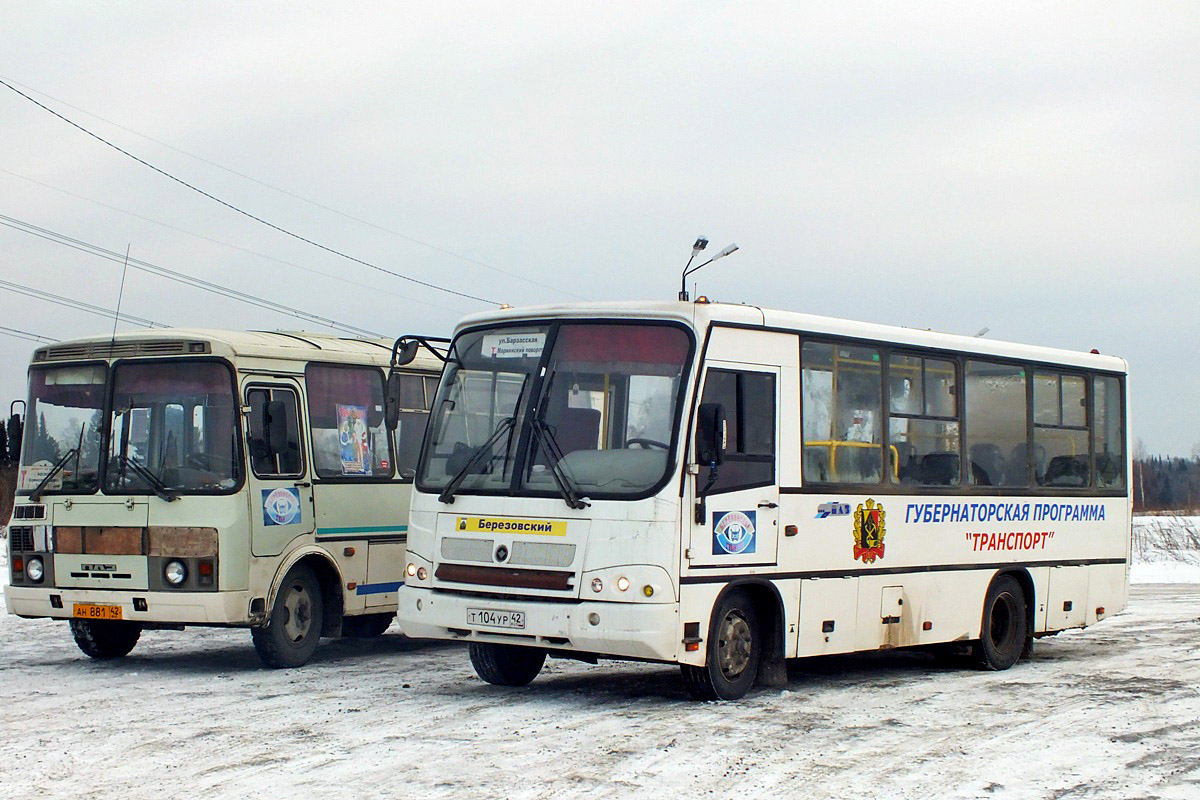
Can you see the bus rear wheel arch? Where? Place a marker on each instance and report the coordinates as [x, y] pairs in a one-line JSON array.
[[1005, 633]]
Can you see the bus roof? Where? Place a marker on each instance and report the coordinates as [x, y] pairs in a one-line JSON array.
[[166, 342], [701, 315]]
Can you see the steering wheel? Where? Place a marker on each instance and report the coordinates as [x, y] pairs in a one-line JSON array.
[[648, 443]]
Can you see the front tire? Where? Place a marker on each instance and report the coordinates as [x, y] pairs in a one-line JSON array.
[[103, 639], [1004, 633], [506, 665], [734, 650], [293, 632]]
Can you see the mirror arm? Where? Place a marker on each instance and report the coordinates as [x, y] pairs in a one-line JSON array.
[[411, 344]]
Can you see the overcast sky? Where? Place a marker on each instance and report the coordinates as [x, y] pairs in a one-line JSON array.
[[1029, 168]]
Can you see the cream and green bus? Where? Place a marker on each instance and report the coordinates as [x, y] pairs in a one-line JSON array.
[[174, 478]]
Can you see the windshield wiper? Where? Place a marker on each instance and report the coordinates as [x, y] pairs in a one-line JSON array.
[[504, 426], [554, 455], [36, 494], [156, 483]]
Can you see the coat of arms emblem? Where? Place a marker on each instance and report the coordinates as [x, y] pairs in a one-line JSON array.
[[868, 532]]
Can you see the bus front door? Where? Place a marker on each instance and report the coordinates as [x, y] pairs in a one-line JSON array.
[[281, 501]]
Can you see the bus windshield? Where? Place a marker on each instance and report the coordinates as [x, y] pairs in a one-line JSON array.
[[66, 412], [171, 429], [575, 408]]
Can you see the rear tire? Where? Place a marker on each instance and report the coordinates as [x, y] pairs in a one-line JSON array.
[[101, 638], [293, 631], [1004, 633], [506, 665], [366, 626], [734, 650]]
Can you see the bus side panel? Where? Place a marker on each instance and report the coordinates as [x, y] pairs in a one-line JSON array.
[[893, 610], [1108, 589], [1067, 597], [828, 616]]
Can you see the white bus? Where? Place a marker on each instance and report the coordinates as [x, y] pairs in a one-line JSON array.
[[725, 487], [200, 477]]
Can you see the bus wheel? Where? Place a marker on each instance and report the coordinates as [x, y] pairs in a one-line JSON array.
[[734, 649], [101, 638], [292, 633], [1005, 629], [366, 626], [506, 664]]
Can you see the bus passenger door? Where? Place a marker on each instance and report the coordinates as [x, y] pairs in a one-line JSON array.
[[281, 502], [734, 515]]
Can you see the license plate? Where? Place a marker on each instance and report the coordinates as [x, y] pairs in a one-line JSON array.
[[496, 618], [96, 611]]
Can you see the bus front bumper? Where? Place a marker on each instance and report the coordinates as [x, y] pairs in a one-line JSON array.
[[169, 608], [647, 631]]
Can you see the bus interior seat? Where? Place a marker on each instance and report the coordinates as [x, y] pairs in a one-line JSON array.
[[1066, 471], [1017, 473], [939, 469], [577, 429], [906, 461], [987, 463]]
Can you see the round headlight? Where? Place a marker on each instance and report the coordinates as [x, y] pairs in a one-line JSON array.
[[175, 572], [597, 585], [35, 570], [623, 583], [422, 574], [411, 569]]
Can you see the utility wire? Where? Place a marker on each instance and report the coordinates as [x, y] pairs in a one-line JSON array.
[[19, 334], [341, 279], [301, 198], [79, 305], [179, 277], [244, 213]]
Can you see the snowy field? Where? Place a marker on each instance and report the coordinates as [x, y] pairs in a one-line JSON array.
[[1109, 712]]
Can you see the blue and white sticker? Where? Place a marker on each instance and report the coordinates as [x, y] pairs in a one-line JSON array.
[[281, 506], [833, 510], [733, 533]]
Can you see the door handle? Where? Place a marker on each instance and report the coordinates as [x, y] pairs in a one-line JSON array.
[[768, 504], [302, 485]]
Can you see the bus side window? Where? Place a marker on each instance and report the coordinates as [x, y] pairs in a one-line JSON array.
[[842, 409], [415, 394], [923, 433], [1060, 427], [1108, 442], [749, 402], [274, 412], [345, 414], [995, 423]]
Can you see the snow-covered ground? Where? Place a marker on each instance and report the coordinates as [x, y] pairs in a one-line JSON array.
[[1109, 712]]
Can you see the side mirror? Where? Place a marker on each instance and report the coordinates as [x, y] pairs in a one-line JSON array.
[[710, 434], [391, 399], [406, 352]]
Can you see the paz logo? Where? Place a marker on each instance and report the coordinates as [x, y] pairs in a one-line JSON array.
[[281, 506], [733, 533], [868, 532]]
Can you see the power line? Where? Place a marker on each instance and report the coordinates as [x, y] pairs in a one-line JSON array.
[[18, 334], [301, 198], [79, 305], [179, 277], [244, 213], [340, 278]]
